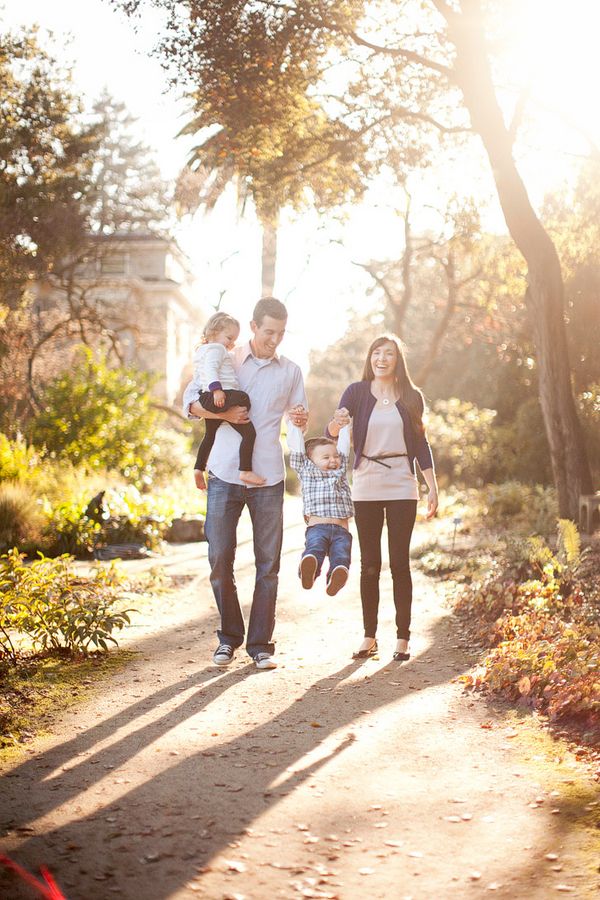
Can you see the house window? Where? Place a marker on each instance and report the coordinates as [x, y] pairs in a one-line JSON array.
[[113, 264]]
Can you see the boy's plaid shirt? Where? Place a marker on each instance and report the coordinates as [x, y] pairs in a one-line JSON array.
[[324, 494]]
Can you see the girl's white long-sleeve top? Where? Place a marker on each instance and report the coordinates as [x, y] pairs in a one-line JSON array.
[[213, 365]]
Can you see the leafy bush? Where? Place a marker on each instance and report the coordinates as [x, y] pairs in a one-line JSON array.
[[521, 507], [124, 515], [102, 418], [18, 461], [521, 449], [56, 609], [20, 517], [461, 436], [542, 627], [68, 529], [130, 517]]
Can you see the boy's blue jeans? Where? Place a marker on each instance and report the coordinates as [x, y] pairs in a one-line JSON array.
[[225, 504], [328, 540]]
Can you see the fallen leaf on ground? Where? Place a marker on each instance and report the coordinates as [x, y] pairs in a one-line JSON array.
[[366, 871], [234, 865]]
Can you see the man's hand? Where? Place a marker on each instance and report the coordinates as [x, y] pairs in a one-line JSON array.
[[219, 398], [341, 417], [298, 415], [236, 415]]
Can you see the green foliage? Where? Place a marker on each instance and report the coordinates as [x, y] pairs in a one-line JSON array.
[[20, 517], [127, 517], [569, 543], [46, 602], [18, 461], [68, 529], [461, 435], [46, 155], [100, 417], [520, 507]]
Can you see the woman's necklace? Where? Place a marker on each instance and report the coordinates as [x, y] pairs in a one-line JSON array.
[[384, 396]]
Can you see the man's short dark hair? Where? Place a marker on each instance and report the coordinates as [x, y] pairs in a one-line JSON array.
[[269, 306], [311, 443]]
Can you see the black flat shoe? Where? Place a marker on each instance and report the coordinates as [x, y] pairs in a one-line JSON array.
[[401, 657], [364, 654]]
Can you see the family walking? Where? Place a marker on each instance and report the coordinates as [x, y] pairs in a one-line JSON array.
[[244, 392]]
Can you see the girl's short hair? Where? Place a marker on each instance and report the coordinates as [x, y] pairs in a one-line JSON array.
[[217, 323]]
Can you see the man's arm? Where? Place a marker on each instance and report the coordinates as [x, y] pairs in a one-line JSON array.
[[236, 415]]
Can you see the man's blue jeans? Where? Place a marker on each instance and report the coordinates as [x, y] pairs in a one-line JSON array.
[[225, 504], [328, 540]]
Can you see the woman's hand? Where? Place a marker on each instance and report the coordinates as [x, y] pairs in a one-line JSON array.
[[432, 503], [341, 417]]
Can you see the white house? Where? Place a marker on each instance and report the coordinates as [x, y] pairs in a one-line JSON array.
[[144, 291]]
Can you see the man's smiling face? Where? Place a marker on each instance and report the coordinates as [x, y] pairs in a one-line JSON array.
[[267, 336]]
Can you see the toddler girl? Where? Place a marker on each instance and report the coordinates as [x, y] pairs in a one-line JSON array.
[[219, 392]]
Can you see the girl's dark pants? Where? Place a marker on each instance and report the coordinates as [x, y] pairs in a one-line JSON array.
[[400, 518], [232, 398]]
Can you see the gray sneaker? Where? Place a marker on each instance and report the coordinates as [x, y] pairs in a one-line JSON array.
[[264, 661], [223, 655]]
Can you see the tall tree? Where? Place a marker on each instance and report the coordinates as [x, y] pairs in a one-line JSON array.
[[411, 64], [46, 157], [250, 73]]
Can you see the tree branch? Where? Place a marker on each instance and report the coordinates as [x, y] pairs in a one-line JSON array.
[[408, 55]]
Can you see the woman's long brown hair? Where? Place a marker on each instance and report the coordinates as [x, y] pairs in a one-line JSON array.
[[410, 395]]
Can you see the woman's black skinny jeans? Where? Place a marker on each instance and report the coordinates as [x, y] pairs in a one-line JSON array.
[[400, 519]]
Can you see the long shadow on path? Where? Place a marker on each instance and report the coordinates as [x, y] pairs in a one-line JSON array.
[[160, 831]]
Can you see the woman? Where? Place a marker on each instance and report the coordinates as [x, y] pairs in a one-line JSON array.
[[386, 410]]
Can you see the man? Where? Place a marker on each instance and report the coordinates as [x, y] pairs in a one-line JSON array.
[[275, 386]]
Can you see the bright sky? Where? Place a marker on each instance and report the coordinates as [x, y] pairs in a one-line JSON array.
[[316, 277]]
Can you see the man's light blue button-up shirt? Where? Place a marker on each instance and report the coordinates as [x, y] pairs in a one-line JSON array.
[[274, 385]]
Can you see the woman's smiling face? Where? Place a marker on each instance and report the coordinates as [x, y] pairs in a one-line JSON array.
[[384, 359]]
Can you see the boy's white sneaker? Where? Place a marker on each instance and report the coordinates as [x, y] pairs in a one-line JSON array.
[[336, 581], [264, 661]]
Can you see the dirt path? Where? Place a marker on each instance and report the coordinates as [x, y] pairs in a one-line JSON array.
[[325, 778]]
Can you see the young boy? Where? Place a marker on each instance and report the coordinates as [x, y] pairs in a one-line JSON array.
[[321, 467]]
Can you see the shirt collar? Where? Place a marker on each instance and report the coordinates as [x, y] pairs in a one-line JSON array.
[[247, 353]]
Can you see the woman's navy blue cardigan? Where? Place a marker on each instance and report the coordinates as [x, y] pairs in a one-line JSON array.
[[360, 403]]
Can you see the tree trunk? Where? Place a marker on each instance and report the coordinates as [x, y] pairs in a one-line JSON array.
[[269, 255], [545, 292]]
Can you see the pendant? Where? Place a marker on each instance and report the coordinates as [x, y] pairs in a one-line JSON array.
[[385, 401]]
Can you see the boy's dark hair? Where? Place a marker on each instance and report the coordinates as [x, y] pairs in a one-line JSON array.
[[311, 443], [269, 306]]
